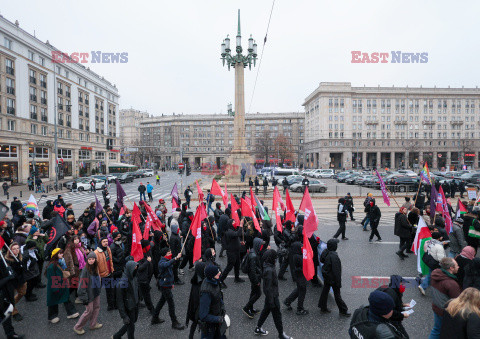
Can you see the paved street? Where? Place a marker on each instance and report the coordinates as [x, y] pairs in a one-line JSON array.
[[360, 258]]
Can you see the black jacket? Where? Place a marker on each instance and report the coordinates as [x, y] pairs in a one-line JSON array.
[[222, 224], [402, 229], [472, 274], [332, 266], [217, 213], [232, 239], [145, 271], [458, 327], [254, 262], [341, 212], [295, 259], [15, 206], [194, 298], [127, 291], [175, 244], [270, 281], [118, 257], [374, 214]]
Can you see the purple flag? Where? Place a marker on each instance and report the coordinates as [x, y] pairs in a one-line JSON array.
[[386, 199], [433, 201], [174, 192], [98, 206], [120, 194]]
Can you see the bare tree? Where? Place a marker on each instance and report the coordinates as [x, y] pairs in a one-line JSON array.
[[283, 147], [264, 146]]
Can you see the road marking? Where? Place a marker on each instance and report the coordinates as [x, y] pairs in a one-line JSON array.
[[386, 242]]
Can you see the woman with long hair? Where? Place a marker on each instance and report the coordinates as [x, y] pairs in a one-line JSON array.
[[15, 261], [74, 256], [89, 290], [57, 288], [461, 318]]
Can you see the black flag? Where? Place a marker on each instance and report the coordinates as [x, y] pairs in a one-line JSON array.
[[57, 230]]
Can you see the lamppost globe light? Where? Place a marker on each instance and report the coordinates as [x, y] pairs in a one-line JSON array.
[[223, 47], [227, 44], [239, 41], [250, 44], [254, 48]]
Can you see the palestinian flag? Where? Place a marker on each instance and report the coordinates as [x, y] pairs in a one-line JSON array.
[[261, 209], [461, 209], [421, 237]]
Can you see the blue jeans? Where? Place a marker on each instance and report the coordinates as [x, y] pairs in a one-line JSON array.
[[210, 208], [426, 281], [437, 326], [365, 224], [142, 194]]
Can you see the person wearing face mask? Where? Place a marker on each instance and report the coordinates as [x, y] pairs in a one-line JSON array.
[[194, 298], [211, 309], [176, 247], [127, 297], [89, 290], [403, 230], [165, 284], [105, 270], [374, 215], [255, 276], [296, 269], [272, 303], [395, 289], [232, 245], [209, 257]]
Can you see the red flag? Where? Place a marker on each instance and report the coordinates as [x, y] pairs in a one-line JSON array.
[[2, 243], [247, 212], [203, 212], [196, 229], [216, 190], [136, 251], [252, 200], [308, 267], [310, 223], [225, 196], [152, 219], [200, 192], [290, 215], [235, 208], [174, 205], [276, 198]]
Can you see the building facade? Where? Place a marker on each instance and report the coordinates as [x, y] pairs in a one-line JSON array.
[[394, 127], [33, 89], [130, 137], [271, 138]]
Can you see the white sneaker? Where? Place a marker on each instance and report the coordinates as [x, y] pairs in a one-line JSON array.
[[73, 316], [421, 289], [55, 320]]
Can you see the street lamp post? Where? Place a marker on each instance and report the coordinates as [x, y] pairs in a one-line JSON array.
[[55, 124]]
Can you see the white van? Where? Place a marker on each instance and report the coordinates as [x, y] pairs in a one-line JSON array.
[[280, 173]]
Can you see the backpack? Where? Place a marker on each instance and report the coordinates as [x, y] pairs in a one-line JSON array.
[[245, 265], [361, 327], [212, 198]]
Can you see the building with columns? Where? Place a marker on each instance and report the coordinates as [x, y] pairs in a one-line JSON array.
[[33, 89], [394, 127], [208, 138]]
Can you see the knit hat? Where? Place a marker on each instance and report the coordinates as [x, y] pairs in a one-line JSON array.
[[92, 255], [33, 230], [86, 210], [211, 271], [468, 252], [115, 234], [369, 195], [55, 251], [380, 303], [164, 251]]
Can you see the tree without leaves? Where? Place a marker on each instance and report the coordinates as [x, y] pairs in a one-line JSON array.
[[283, 147]]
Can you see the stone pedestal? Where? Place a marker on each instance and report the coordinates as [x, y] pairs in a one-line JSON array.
[[235, 162]]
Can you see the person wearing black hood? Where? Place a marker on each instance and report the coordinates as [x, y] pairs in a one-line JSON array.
[[255, 276], [145, 273], [342, 218], [232, 245], [257, 183], [332, 278], [176, 247], [374, 215], [272, 303], [159, 242], [211, 308], [127, 296], [47, 210], [296, 269], [15, 205], [194, 298], [222, 226], [209, 257], [217, 213]]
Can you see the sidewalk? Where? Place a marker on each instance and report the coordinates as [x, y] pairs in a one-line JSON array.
[[22, 192]]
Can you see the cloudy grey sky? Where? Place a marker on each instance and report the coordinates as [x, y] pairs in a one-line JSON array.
[[174, 46]]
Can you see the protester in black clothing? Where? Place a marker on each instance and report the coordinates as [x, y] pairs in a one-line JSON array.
[[142, 189], [232, 246], [188, 195], [349, 205], [217, 213], [165, 284], [272, 303], [332, 278], [127, 296], [194, 298], [461, 188], [257, 183], [255, 276], [209, 257], [403, 230], [296, 269], [265, 186], [285, 184], [222, 228], [342, 218], [288, 239], [118, 255], [250, 182], [314, 242], [144, 275], [374, 215], [15, 205], [211, 309], [420, 201], [176, 247], [305, 182], [48, 209], [159, 242], [274, 182]]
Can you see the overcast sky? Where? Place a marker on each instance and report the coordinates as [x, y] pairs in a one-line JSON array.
[[174, 46]]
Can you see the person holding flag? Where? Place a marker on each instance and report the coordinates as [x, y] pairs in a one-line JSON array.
[[296, 270], [332, 278], [232, 246]]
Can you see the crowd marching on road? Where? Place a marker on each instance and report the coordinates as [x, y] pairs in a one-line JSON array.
[[71, 257]]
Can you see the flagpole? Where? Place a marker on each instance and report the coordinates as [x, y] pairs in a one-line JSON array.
[[185, 240], [416, 197], [210, 226], [8, 248]]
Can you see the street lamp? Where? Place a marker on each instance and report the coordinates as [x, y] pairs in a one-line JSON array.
[[232, 60]]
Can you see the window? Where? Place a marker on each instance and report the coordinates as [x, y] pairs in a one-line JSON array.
[[9, 66], [40, 152], [60, 133], [42, 61], [44, 130], [31, 55], [11, 125], [7, 43], [112, 156], [33, 129], [8, 151]]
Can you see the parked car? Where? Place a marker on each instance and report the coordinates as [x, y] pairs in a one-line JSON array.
[[314, 186], [346, 177], [126, 177], [84, 185], [280, 173], [351, 179], [361, 179], [109, 177], [149, 172], [405, 184], [408, 173], [469, 177], [325, 173]]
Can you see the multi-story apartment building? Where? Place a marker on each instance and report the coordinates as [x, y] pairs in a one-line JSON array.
[[391, 127], [208, 139], [32, 90], [130, 136]]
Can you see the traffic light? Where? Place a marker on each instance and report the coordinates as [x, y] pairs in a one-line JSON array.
[[189, 170]]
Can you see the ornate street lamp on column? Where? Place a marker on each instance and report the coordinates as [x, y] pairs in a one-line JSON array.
[[239, 157]]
